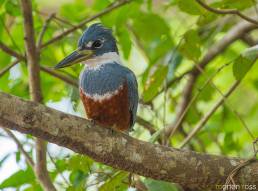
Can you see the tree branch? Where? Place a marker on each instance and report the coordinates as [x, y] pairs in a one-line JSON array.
[[8, 67], [118, 150], [226, 12], [20, 147], [234, 34], [9, 51], [82, 24], [204, 120], [35, 90]]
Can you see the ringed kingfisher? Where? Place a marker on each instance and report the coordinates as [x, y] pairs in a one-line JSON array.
[[108, 90]]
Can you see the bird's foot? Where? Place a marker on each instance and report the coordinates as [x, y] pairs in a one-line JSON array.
[[92, 122]]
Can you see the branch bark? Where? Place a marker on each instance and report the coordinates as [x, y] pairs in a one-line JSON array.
[[189, 169], [35, 91]]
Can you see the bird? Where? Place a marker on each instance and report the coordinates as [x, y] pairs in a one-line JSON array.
[[108, 89]]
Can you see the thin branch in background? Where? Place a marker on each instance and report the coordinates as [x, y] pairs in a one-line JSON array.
[[173, 81], [226, 12], [237, 32], [50, 71], [147, 125], [20, 147], [205, 118], [35, 91], [255, 7], [9, 51], [137, 41], [83, 23], [58, 170], [193, 99], [255, 147], [9, 34], [238, 116], [164, 110], [59, 75], [8, 67], [56, 18], [44, 28]]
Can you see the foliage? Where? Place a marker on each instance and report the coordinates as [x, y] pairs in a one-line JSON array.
[[159, 41]]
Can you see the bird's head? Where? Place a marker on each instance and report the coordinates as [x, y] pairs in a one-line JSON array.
[[95, 41]]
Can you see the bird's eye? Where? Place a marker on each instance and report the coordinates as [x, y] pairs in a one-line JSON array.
[[97, 44]]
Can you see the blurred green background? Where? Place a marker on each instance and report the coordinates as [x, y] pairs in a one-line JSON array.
[[160, 40]]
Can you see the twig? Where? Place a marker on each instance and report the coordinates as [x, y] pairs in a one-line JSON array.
[[192, 100], [56, 18], [59, 75], [232, 110], [232, 35], [20, 147], [147, 125], [6, 28], [7, 68], [82, 24], [204, 120], [226, 11], [58, 170], [35, 91], [44, 28], [9, 51], [50, 71]]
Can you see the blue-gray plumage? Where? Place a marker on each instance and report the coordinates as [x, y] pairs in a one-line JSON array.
[[108, 89], [95, 33]]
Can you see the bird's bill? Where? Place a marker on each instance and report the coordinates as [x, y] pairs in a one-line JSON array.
[[75, 57]]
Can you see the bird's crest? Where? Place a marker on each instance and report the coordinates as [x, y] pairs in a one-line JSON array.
[[96, 29]]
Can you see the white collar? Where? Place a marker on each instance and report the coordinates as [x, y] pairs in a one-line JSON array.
[[105, 58]]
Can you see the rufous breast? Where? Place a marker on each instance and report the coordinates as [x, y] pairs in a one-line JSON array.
[[110, 110]]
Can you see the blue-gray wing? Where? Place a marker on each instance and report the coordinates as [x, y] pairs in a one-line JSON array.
[[133, 95]]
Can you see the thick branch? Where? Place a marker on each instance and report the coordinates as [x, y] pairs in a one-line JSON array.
[[118, 150]]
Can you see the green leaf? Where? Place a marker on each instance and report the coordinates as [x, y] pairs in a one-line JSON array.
[[125, 41], [154, 83], [12, 8], [244, 62], [156, 43], [18, 156], [115, 183], [80, 162], [175, 59], [18, 178], [78, 179], [191, 7], [154, 185], [34, 187], [75, 11], [234, 4], [191, 46]]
